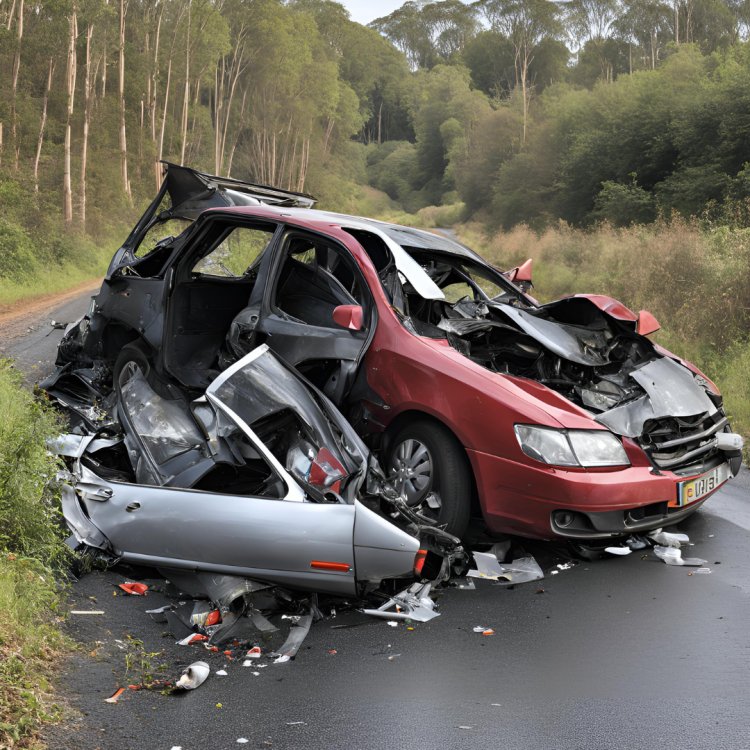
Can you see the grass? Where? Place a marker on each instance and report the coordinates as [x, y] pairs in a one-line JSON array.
[[696, 281], [30, 647], [31, 557], [88, 262]]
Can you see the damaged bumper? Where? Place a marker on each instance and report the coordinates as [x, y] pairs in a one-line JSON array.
[[584, 504]]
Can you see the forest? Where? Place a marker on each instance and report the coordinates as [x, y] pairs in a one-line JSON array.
[[524, 111]]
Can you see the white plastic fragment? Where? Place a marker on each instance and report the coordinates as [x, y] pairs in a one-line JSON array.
[[282, 659], [565, 566], [673, 556], [413, 603], [702, 571], [296, 723], [392, 623], [521, 570], [193, 676], [221, 672], [86, 611], [621, 551], [242, 740], [667, 539], [479, 628]]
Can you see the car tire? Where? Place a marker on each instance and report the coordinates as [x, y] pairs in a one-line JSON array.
[[448, 474], [130, 353]]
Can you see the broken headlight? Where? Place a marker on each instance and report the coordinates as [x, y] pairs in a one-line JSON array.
[[571, 447]]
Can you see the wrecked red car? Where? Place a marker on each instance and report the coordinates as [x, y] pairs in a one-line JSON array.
[[556, 420]]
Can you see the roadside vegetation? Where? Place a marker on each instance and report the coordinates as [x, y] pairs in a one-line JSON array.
[[31, 561]]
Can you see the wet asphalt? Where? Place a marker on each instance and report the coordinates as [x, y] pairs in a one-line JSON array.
[[616, 653]]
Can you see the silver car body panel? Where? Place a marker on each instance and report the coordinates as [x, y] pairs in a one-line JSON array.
[[671, 391]]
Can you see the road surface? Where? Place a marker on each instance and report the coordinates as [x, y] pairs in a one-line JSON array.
[[623, 653]]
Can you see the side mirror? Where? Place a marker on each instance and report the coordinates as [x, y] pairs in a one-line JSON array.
[[349, 316], [647, 323], [521, 275]]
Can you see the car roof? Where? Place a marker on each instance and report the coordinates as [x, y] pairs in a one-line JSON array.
[[407, 237]]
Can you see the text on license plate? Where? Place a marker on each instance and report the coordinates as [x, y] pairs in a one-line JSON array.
[[694, 489]]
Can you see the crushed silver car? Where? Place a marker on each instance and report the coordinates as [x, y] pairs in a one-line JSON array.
[[259, 478]]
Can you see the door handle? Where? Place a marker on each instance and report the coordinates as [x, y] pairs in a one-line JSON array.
[[132, 506]]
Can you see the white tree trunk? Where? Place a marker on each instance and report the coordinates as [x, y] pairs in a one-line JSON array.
[[70, 85], [86, 121], [43, 124], [121, 92]]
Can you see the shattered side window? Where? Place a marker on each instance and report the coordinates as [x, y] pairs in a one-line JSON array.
[[236, 254], [165, 427], [158, 232]]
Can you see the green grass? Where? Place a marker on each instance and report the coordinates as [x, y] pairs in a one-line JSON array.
[[31, 646], [31, 557], [89, 263]]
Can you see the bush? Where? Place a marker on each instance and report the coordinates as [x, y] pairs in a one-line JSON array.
[[17, 260]]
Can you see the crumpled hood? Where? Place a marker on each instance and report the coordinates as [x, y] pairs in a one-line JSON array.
[[671, 391]]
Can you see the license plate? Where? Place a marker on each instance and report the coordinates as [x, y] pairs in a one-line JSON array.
[[694, 489]]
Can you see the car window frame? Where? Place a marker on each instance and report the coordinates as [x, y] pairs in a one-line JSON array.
[[280, 254]]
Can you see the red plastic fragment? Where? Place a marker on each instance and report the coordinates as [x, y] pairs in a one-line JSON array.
[[115, 696], [134, 589]]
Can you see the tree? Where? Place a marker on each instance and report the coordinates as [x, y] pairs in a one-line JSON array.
[[526, 23]]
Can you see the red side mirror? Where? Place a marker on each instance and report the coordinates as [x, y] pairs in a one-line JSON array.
[[521, 275], [647, 323], [349, 316]]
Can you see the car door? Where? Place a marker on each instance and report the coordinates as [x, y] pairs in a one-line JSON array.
[[269, 539], [317, 311]]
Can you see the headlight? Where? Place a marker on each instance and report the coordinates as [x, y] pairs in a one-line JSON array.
[[571, 447]]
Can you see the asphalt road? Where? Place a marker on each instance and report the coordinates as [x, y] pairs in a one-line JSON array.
[[617, 653]]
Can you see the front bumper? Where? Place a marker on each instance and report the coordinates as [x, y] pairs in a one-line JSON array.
[[546, 502]]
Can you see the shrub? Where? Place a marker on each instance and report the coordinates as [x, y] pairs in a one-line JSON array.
[[17, 260]]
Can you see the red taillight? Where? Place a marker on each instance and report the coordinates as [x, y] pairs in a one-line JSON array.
[[326, 471], [339, 567], [419, 559]]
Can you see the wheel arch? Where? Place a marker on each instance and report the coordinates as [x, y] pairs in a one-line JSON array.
[[412, 415]]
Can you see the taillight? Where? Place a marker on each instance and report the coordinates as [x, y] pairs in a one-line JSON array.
[[326, 471], [419, 559]]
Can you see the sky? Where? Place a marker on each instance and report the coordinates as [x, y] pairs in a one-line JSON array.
[[364, 11]]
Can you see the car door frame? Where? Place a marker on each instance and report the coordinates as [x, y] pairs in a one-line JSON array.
[[281, 324]]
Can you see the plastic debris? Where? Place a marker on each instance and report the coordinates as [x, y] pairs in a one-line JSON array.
[[115, 696], [242, 740], [193, 676], [521, 570], [413, 603], [253, 653], [133, 589], [221, 672], [479, 628], [296, 723], [194, 638], [392, 623], [673, 556], [702, 571], [160, 613], [86, 611], [636, 541], [620, 551], [565, 566], [489, 631], [667, 539], [297, 635]]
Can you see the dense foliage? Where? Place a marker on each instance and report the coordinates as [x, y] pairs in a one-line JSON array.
[[524, 110]]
